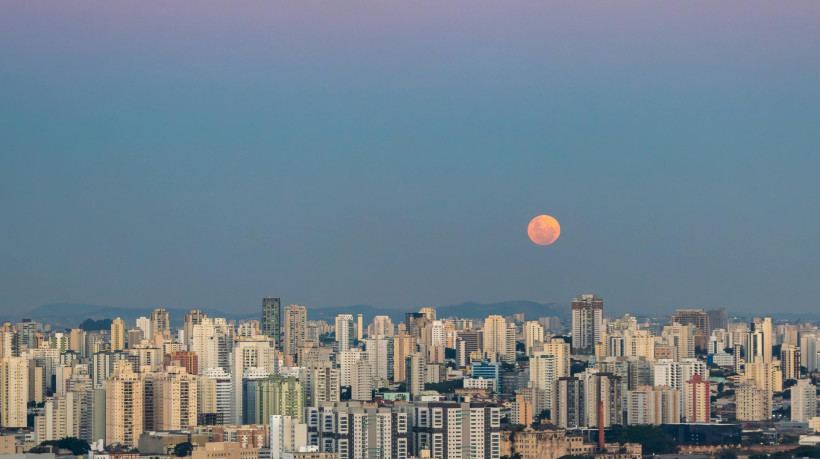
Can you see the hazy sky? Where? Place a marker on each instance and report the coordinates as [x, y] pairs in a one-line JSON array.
[[209, 153]]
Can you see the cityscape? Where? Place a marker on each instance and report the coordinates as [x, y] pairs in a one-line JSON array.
[[373, 229], [283, 386]]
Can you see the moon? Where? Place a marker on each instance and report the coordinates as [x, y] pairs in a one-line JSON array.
[[544, 230]]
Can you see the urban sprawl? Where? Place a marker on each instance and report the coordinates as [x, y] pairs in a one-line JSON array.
[[619, 387]]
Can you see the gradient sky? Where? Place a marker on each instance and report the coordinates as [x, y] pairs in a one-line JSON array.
[[210, 153]]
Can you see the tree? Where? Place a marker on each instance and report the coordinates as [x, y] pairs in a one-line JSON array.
[[183, 449], [75, 445], [652, 439], [513, 456]]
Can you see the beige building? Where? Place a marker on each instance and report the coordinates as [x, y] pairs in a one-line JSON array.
[[124, 394], [403, 345], [224, 450], [653, 405], [295, 326], [14, 391], [175, 399], [752, 403], [117, 335]]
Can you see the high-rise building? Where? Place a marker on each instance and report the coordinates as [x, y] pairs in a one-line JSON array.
[[215, 397], [344, 331], [381, 327], [379, 352], [361, 381], [653, 405], [568, 404], [803, 401], [605, 388], [533, 333], [495, 339], [457, 430], [124, 398], [718, 319], [359, 327], [587, 322], [272, 319], [759, 343], [144, 324], [790, 361], [695, 317], [249, 353], [160, 322], [117, 334], [698, 407], [810, 351], [189, 320], [14, 387], [212, 341], [753, 403], [76, 342], [287, 435], [274, 395], [403, 345], [353, 430], [414, 371], [295, 325], [321, 384], [429, 312], [174, 399], [543, 373]]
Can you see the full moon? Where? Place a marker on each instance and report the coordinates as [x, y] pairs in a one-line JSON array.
[[544, 230]]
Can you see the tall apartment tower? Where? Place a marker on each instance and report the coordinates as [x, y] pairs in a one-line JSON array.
[[759, 344], [124, 398], [804, 401], [272, 319], [587, 321], [14, 387], [344, 331], [694, 317], [117, 335], [697, 399], [160, 322], [718, 318], [790, 361], [295, 325], [189, 320]]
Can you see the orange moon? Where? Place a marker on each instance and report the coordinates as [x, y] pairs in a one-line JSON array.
[[544, 230]]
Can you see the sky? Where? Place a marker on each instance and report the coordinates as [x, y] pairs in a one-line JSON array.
[[209, 153]]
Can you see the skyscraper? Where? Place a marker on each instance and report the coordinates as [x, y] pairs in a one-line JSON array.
[[695, 317], [117, 334], [718, 318], [587, 320], [124, 398], [344, 331], [271, 319], [14, 379], [803, 401], [160, 322], [790, 361], [295, 326], [697, 407]]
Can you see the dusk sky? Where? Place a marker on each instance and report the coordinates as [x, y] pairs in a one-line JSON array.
[[209, 153]]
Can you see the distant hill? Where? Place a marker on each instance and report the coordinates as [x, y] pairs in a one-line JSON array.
[[71, 315]]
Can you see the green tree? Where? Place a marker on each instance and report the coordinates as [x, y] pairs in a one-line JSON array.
[[652, 439], [183, 449]]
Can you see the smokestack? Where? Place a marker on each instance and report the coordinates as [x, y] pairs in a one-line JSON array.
[[601, 443]]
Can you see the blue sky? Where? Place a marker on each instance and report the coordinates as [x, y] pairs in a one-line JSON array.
[[392, 153]]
